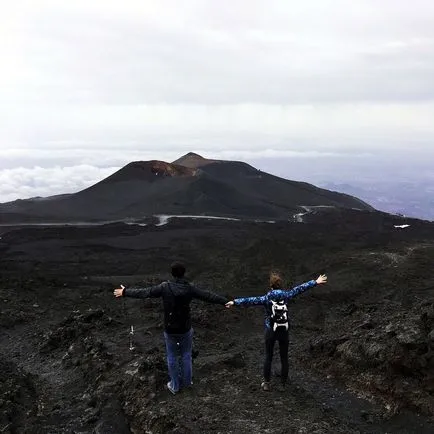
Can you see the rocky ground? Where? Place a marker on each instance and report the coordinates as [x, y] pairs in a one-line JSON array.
[[361, 352]]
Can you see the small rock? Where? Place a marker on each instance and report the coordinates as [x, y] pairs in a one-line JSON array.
[[350, 351], [390, 329], [411, 337], [376, 352]]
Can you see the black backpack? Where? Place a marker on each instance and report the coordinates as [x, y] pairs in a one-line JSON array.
[[279, 314]]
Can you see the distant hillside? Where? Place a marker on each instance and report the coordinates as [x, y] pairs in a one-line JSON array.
[[189, 185], [410, 198]]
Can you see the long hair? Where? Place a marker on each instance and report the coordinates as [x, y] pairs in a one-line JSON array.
[[275, 280]]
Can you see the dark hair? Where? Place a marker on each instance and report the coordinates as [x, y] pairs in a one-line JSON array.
[[275, 280], [178, 269]]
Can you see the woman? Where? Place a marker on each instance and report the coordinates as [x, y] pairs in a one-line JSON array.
[[276, 320]]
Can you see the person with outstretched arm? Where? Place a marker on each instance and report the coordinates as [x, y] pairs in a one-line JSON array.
[[177, 295], [276, 321]]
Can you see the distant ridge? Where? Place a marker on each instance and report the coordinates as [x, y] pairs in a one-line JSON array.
[[190, 185]]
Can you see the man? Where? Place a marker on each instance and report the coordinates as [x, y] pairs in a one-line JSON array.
[[177, 295]]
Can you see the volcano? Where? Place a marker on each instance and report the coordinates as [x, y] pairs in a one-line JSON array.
[[190, 185]]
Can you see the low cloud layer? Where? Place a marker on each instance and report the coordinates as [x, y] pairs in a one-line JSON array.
[[24, 183]]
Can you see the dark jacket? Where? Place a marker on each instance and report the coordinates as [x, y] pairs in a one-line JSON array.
[[177, 295], [276, 295]]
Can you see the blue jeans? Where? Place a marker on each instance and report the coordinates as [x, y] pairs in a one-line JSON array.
[[178, 348]]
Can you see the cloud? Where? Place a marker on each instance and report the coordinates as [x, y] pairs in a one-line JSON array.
[[85, 135], [153, 52], [100, 82], [21, 183]]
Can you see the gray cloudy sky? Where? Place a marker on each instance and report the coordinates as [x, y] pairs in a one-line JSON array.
[[89, 85]]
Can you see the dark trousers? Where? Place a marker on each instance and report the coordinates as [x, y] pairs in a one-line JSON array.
[[281, 335]]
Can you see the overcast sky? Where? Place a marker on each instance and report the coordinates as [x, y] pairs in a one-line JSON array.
[[88, 85]]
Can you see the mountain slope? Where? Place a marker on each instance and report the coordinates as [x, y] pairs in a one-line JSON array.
[[190, 185], [276, 190]]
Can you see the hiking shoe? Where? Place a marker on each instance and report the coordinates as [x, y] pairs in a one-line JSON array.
[[265, 386], [170, 389]]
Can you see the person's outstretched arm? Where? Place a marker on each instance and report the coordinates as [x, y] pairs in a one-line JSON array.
[[286, 295], [210, 297], [248, 301], [150, 291]]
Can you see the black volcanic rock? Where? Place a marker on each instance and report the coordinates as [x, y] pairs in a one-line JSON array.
[[190, 185], [66, 363]]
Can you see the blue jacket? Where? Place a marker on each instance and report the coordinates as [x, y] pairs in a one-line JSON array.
[[275, 295]]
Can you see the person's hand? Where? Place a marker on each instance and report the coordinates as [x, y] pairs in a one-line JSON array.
[[321, 279], [119, 292], [229, 304]]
